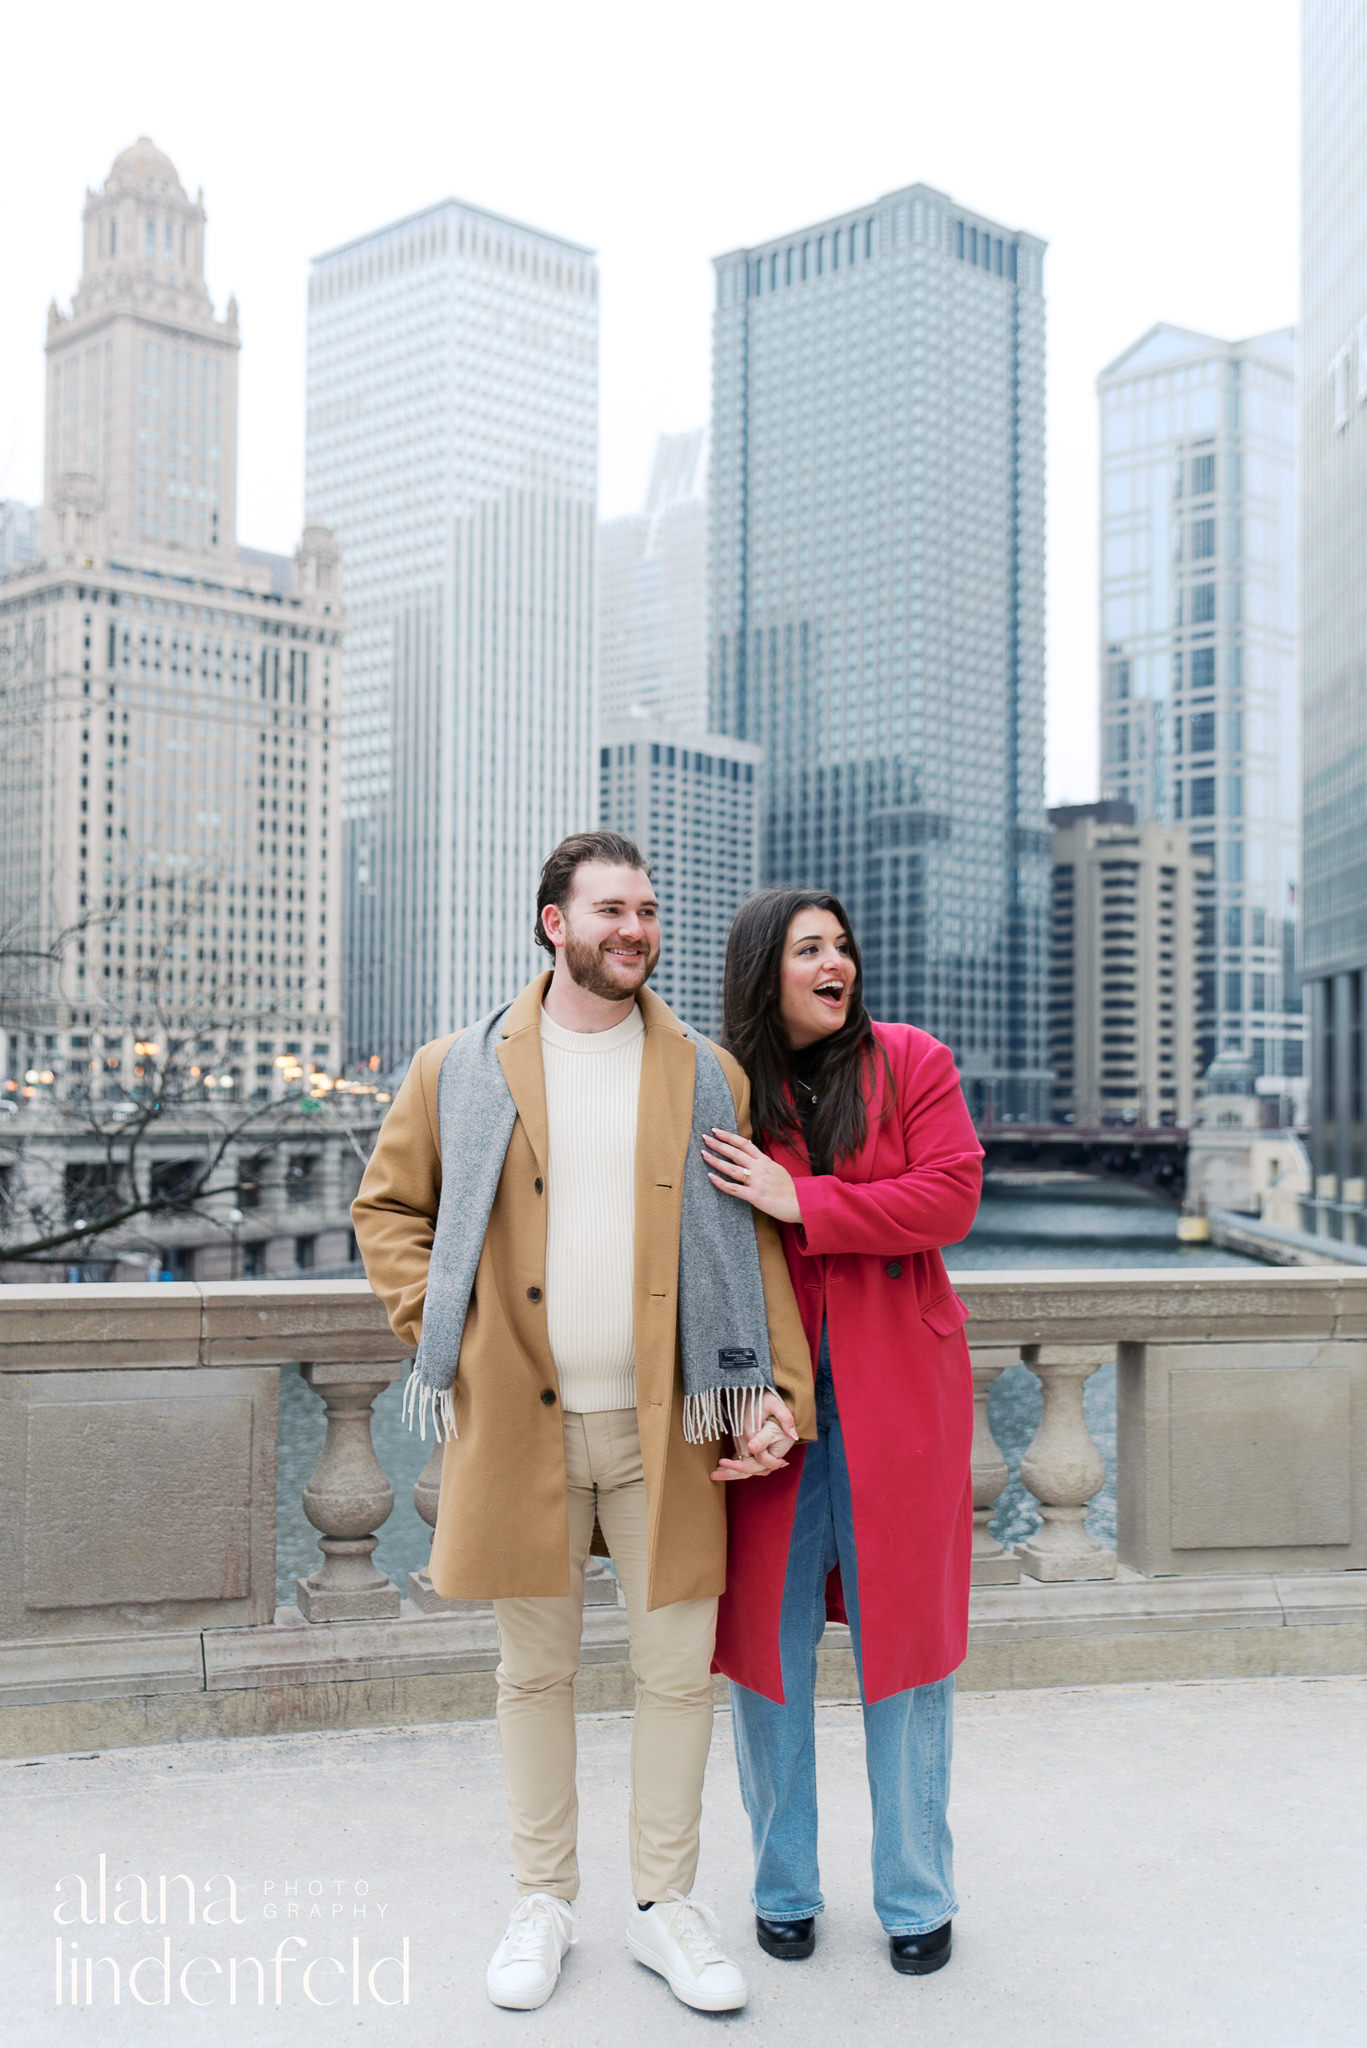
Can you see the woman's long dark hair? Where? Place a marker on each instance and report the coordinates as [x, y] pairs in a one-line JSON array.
[[753, 1032]]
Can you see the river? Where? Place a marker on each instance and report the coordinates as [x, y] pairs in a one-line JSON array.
[[1067, 1224]]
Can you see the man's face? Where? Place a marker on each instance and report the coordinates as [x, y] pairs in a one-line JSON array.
[[610, 930]]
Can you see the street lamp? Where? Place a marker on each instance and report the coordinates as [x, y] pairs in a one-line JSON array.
[[234, 1224]]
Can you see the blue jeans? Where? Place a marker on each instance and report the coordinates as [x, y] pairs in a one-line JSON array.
[[908, 1738]]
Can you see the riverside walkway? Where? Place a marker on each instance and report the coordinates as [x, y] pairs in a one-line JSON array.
[[1168, 1865]]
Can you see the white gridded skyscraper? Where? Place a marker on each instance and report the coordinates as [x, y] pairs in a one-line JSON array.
[[877, 584], [1198, 655], [453, 440]]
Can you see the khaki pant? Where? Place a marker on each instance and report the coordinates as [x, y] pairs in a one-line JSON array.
[[671, 1657]]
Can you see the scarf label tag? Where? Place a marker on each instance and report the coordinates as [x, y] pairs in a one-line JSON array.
[[737, 1359]]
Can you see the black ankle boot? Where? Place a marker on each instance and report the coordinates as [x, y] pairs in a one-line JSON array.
[[916, 1955], [789, 1940]]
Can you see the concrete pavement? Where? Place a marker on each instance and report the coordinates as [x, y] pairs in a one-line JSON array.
[[1149, 1866]]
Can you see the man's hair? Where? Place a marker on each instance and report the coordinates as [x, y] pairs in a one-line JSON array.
[[557, 876]]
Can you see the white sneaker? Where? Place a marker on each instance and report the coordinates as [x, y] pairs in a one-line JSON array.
[[526, 1964], [678, 1937]]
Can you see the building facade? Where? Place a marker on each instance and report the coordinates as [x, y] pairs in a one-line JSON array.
[[1122, 967], [691, 803], [1198, 612], [652, 594], [1334, 598], [453, 449], [168, 796], [877, 604], [18, 535]]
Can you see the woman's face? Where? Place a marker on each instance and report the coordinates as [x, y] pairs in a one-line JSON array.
[[817, 978]]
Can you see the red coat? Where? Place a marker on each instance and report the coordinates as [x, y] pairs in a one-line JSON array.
[[866, 1256]]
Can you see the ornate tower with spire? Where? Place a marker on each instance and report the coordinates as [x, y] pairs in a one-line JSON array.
[[168, 781], [142, 378]]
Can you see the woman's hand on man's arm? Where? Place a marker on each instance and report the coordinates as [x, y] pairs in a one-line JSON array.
[[737, 1167]]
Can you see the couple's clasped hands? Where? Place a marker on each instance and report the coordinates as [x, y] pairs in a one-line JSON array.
[[737, 1167]]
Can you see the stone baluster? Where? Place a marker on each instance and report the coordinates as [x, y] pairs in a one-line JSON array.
[[992, 1565], [426, 1490], [600, 1585], [1063, 1468], [348, 1499]]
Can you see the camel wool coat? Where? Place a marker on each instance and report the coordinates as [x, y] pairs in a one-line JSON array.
[[503, 1518]]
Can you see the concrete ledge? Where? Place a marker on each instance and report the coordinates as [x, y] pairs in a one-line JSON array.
[[293, 1675], [102, 1668]]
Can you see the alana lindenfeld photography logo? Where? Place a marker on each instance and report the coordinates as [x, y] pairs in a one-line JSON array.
[[221, 1940]]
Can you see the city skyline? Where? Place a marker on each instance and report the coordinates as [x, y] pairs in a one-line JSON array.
[[1127, 248]]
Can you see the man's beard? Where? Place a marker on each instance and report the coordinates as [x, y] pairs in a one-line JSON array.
[[588, 971]]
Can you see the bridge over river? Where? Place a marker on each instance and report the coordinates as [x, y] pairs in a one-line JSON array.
[[1149, 1156]]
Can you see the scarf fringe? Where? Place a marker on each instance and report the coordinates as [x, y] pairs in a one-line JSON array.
[[420, 1401], [722, 1411]]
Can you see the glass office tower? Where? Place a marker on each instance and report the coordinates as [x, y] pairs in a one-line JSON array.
[[1198, 620], [453, 439], [1334, 597], [877, 603]]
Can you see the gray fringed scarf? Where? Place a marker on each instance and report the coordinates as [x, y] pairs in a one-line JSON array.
[[723, 1322]]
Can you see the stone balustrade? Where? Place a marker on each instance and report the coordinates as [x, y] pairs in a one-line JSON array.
[[138, 1477]]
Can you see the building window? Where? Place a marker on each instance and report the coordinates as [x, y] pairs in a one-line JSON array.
[[1202, 604], [1234, 991], [1202, 476], [1202, 539], [1339, 375], [1202, 732], [1234, 925], [1202, 668], [1203, 796], [1118, 679]]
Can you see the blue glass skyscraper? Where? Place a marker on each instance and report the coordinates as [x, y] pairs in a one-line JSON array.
[[877, 603]]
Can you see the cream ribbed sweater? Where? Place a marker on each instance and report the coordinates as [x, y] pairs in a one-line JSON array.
[[593, 1079]]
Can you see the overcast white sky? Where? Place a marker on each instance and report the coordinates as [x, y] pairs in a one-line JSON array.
[[1153, 145]]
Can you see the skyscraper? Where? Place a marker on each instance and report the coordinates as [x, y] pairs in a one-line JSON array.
[[142, 338], [1334, 597], [453, 448], [1122, 969], [167, 773], [877, 587], [652, 594], [691, 803], [1198, 654]]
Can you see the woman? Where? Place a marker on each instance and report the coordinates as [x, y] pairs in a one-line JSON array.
[[870, 1163]]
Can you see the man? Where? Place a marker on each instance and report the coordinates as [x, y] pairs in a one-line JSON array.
[[538, 1213]]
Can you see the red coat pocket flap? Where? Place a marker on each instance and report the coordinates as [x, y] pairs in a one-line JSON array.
[[945, 1315]]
